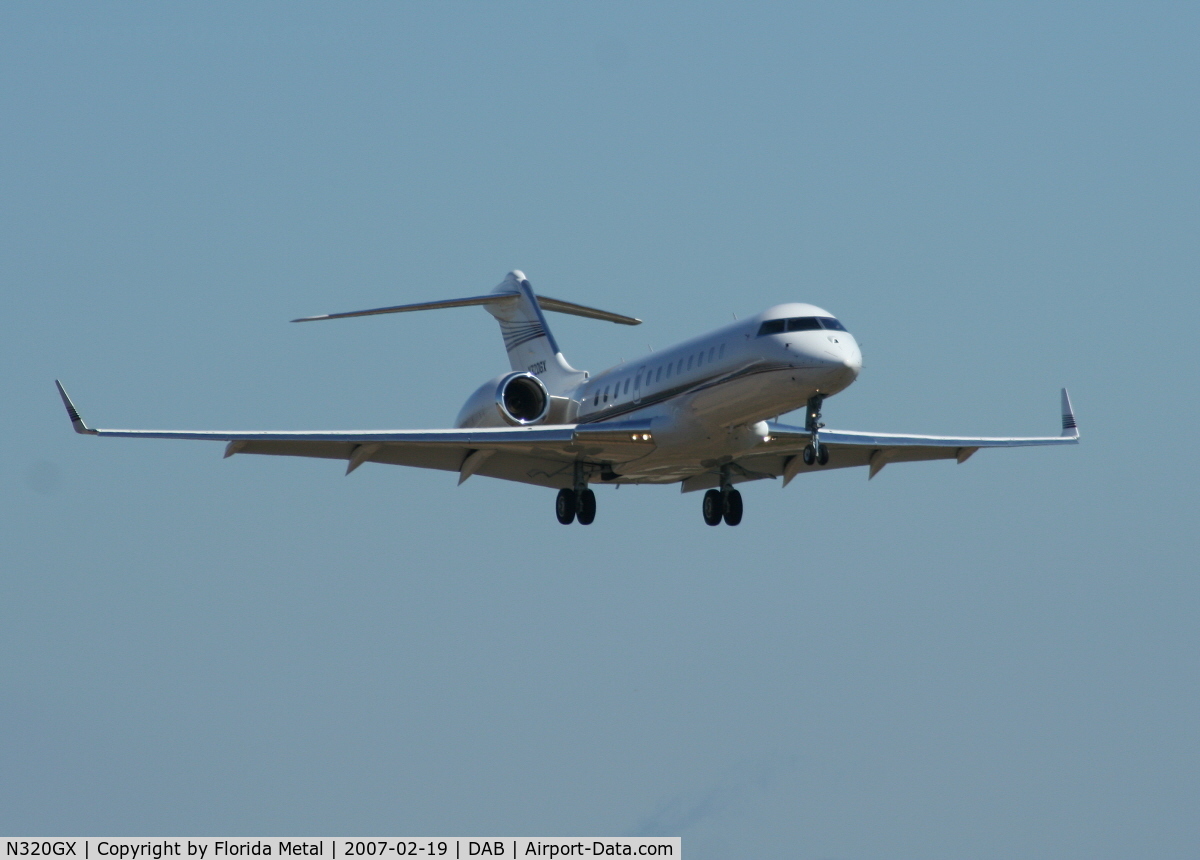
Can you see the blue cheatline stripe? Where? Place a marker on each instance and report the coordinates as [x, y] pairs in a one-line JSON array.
[[516, 334], [516, 340], [604, 414], [510, 346]]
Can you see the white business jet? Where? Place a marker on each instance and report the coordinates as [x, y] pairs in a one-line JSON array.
[[695, 414]]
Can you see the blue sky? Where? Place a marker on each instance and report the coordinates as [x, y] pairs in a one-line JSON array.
[[989, 660]]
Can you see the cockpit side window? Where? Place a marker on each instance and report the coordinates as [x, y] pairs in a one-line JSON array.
[[831, 324], [771, 327]]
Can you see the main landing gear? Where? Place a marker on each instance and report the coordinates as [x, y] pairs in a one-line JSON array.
[[726, 506], [814, 452], [723, 504], [578, 503], [571, 505]]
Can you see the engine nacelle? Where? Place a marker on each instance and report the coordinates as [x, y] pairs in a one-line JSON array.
[[517, 399]]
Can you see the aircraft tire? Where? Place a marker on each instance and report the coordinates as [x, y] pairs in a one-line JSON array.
[[587, 507], [809, 455], [823, 455], [733, 508], [564, 506], [713, 507]]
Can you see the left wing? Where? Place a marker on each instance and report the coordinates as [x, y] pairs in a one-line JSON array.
[[542, 455], [779, 454]]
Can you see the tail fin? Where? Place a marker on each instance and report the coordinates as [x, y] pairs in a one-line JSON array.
[[527, 338]]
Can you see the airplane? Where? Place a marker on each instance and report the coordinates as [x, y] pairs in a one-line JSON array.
[[702, 414]]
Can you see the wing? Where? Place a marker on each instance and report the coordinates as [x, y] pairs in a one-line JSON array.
[[779, 453], [543, 455]]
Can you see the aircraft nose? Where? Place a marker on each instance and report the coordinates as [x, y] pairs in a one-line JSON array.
[[844, 356], [852, 358], [843, 361]]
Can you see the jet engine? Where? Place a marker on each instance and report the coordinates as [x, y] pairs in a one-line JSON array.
[[517, 399]]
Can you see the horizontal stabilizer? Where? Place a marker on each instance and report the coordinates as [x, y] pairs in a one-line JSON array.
[[420, 306], [559, 306], [545, 302]]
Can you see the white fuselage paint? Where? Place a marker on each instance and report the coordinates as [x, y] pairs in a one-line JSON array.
[[706, 396]]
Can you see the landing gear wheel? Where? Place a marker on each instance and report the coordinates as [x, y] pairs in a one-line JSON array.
[[823, 455], [733, 508], [586, 507], [809, 455], [714, 507], [564, 506]]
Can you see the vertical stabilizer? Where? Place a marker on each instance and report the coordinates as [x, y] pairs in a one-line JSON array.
[[531, 346]]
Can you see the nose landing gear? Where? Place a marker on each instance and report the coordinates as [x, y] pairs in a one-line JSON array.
[[811, 455], [814, 452]]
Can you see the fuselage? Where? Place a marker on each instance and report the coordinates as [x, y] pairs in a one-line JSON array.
[[706, 396], [750, 370]]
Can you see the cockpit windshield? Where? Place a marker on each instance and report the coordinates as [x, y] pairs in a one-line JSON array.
[[799, 324]]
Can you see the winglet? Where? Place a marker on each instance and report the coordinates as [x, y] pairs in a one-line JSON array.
[[1069, 427], [72, 412]]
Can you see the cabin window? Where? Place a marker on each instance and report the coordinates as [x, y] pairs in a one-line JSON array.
[[691, 358], [596, 402], [721, 351], [626, 386], [637, 383], [711, 351], [669, 366], [658, 374]]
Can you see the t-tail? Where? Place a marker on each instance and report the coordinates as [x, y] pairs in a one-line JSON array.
[[527, 337]]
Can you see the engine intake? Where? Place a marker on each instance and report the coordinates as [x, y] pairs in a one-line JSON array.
[[522, 398]]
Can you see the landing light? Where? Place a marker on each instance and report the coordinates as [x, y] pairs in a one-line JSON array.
[[640, 437]]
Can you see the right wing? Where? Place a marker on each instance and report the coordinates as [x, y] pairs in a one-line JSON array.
[[779, 455], [543, 455], [876, 450]]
